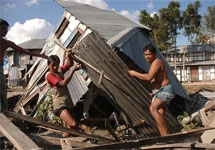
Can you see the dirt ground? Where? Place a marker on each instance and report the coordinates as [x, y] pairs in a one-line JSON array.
[[192, 88]]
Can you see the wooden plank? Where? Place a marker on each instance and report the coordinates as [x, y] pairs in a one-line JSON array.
[[15, 136], [55, 141], [181, 146], [176, 138], [65, 144], [68, 143], [208, 136], [57, 127]]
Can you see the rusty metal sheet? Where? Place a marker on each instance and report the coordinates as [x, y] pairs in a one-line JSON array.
[[130, 94]]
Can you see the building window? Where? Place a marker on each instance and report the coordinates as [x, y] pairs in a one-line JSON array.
[[212, 72], [200, 73], [61, 28]]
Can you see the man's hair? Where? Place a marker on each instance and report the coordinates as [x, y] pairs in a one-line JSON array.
[[53, 58], [151, 48], [3, 22]]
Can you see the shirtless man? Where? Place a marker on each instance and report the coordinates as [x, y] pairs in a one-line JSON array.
[[4, 45], [163, 92]]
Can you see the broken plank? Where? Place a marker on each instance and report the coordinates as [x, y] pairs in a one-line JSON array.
[[57, 127], [208, 136], [67, 143], [181, 146], [176, 138], [16, 136]]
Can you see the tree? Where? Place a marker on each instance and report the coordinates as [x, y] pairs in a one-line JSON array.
[[191, 20], [210, 23], [159, 31], [173, 20], [191, 23], [164, 26]]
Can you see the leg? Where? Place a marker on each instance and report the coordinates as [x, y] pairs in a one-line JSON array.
[[3, 93], [157, 110], [69, 120]]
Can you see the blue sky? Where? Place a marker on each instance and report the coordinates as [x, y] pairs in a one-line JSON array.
[[37, 18]]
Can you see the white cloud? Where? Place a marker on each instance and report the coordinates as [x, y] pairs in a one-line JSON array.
[[4, 6], [103, 5], [149, 5], [31, 2], [131, 15], [31, 29], [152, 14], [97, 3]]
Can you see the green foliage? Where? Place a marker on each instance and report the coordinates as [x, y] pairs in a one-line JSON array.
[[210, 19], [44, 109], [189, 125], [207, 32], [191, 20], [164, 26]]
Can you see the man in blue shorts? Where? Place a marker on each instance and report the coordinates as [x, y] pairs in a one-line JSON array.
[[163, 92]]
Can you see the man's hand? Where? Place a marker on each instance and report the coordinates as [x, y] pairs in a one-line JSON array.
[[132, 72], [43, 55], [76, 67]]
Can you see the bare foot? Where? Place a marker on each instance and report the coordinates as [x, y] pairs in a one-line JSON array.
[[65, 134]]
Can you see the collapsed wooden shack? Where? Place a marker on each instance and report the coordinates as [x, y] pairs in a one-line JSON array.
[[107, 45]]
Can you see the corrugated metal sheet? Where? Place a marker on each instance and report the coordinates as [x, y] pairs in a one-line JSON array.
[[132, 44], [127, 92], [193, 48], [199, 63], [107, 23], [120, 32], [77, 86], [32, 44]]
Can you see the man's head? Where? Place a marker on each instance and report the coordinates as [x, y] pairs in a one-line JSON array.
[[53, 63], [149, 53], [3, 27]]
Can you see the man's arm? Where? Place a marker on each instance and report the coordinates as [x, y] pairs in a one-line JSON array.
[[20, 49], [66, 80], [69, 56], [154, 68]]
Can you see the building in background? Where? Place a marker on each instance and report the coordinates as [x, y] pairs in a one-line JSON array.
[[193, 64], [20, 63]]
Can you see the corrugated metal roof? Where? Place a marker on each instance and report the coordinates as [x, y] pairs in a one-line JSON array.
[[77, 86], [197, 63], [32, 44], [120, 32], [132, 42], [106, 22], [193, 48], [126, 91]]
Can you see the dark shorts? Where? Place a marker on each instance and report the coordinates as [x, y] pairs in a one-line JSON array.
[[58, 111]]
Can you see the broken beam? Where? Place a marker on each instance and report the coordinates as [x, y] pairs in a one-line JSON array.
[[176, 138], [57, 127], [16, 136]]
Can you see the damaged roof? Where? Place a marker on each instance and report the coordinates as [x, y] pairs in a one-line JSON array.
[[128, 93], [193, 48], [32, 44], [107, 22]]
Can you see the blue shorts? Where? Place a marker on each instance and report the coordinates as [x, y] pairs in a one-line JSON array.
[[165, 93]]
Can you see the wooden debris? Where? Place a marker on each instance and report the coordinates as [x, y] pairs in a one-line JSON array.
[[209, 136], [15, 136], [53, 126], [173, 138], [181, 146], [68, 143]]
